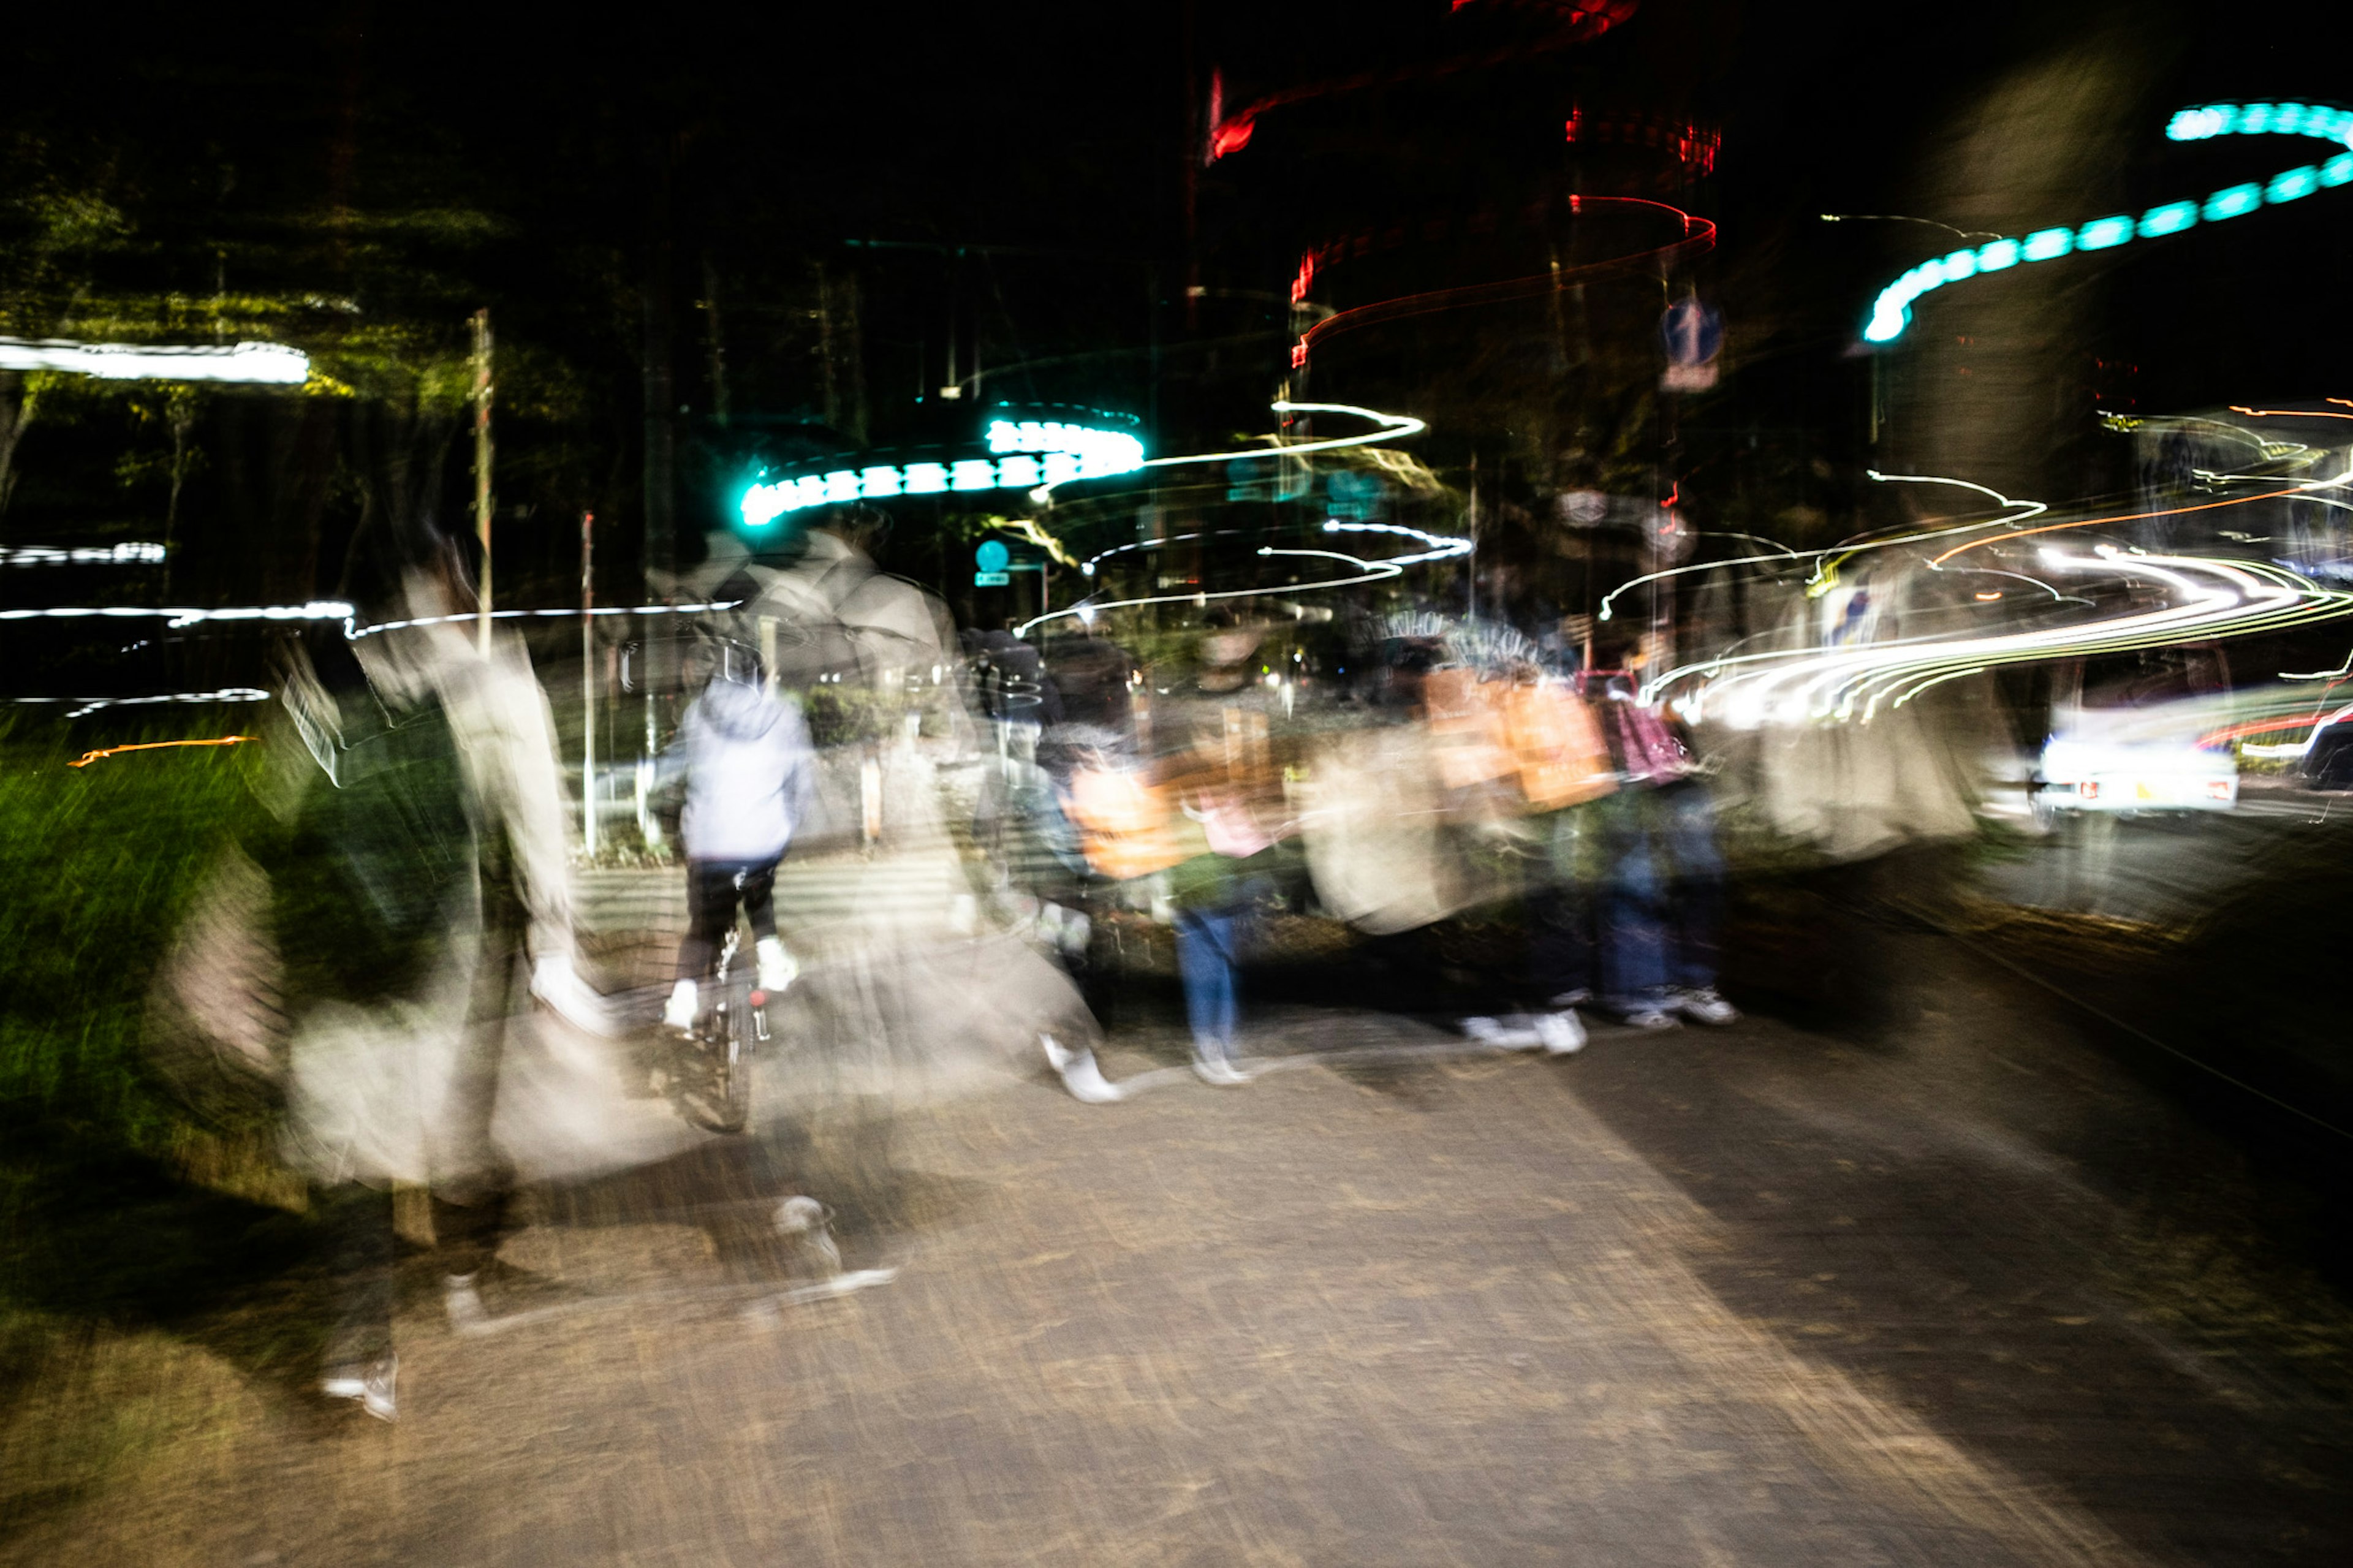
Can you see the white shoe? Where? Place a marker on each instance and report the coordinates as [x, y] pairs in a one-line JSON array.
[[462, 1300], [1651, 1018], [808, 1222], [1514, 1036], [778, 967], [1080, 1073], [555, 981], [1219, 1071], [1562, 1033], [678, 1012], [371, 1384], [1704, 1005]]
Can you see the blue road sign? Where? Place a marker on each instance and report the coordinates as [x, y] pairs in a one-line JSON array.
[[1692, 332], [991, 556]]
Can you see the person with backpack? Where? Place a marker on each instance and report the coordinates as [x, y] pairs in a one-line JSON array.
[[418, 888]]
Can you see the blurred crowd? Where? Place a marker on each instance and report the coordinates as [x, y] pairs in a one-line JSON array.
[[994, 825]]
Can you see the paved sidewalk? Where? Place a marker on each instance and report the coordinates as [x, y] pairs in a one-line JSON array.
[[1752, 1295]]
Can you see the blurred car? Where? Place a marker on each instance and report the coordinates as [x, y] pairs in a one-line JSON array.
[[2126, 736]]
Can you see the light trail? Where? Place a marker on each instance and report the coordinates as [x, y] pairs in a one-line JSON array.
[[1698, 234], [1371, 572], [89, 757], [2290, 412], [2240, 597], [1392, 426], [470, 616], [182, 615], [92, 704], [1891, 313], [127, 554], [2290, 491], [273, 364], [1844, 552]]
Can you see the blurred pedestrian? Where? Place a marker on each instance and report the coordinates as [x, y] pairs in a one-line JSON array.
[[419, 887]]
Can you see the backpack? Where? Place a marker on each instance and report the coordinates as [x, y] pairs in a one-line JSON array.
[[376, 857]]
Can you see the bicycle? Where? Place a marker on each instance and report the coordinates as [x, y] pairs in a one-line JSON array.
[[728, 1027]]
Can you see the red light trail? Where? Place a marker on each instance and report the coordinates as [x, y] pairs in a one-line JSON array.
[[1699, 235]]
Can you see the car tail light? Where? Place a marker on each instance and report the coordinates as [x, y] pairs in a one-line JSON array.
[[2089, 789], [2218, 789]]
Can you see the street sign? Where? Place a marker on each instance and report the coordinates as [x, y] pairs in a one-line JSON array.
[[1692, 331], [992, 556], [991, 579]]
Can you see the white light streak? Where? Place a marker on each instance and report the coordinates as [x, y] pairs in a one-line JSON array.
[[1370, 572], [2234, 598], [2033, 509], [126, 554], [273, 364], [1393, 426], [182, 616], [86, 705], [469, 617]]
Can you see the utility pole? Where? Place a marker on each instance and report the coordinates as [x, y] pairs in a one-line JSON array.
[[660, 556], [588, 683], [482, 471]]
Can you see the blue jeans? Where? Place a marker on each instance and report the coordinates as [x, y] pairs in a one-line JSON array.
[[1206, 949], [1686, 830], [1662, 896], [1635, 941]]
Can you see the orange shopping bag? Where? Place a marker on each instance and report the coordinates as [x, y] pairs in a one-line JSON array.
[[1466, 737], [1556, 744], [1126, 825]]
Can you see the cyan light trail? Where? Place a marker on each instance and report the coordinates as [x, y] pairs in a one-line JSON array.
[[1892, 312], [1025, 452]]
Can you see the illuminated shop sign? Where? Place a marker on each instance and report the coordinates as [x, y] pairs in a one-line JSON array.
[[1023, 454], [1892, 312]]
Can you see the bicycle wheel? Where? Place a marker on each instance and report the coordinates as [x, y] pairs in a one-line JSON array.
[[733, 1037], [718, 1091]]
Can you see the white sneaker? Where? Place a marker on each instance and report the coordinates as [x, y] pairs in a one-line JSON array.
[[1704, 1005], [807, 1222], [462, 1300], [555, 981], [1652, 1017], [1562, 1033], [1080, 1073], [371, 1384], [678, 1012], [1515, 1036], [1218, 1071], [778, 967]]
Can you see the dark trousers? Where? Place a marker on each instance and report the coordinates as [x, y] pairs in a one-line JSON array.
[[470, 1199], [713, 888]]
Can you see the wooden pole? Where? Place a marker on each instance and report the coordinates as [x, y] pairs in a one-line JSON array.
[[483, 470], [588, 682]]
